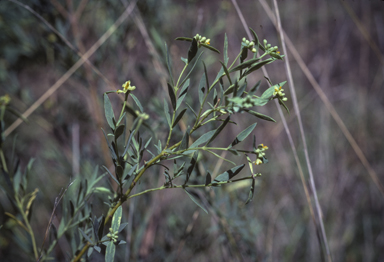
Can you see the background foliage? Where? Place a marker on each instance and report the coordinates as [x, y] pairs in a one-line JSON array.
[[65, 139]]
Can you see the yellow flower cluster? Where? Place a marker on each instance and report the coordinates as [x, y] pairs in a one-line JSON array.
[[249, 44], [278, 93], [126, 87], [202, 39], [260, 154]]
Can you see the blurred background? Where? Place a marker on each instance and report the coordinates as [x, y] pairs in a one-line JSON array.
[[341, 43]]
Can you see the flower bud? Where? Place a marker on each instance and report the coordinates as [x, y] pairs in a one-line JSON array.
[[254, 50]]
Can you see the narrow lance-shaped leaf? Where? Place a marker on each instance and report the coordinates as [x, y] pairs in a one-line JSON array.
[[201, 89], [179, 116], [206, 76], [257, 66], [172, 96], [226, 50], [240, 137], [190, 71], [244, 65], [192, 50], [251, 191], [218, 130], [85, 236], [261, 116], [109, 115], [119, 131], [184, 141], [191, 166], [227, 175], [111, 248], [254, 88], [184, 89], [244, 54], [269, 92], [256, 40], [195, 201], [166, 111], [169, 65], [226, 72], [137, 102], [204, 138], [210, 48], [208, 179], [113, 177]]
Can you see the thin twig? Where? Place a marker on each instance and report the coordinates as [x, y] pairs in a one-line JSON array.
[[329, 106], [57, 201], [73, 69], [293, 148], [305, 147], [62, 38]]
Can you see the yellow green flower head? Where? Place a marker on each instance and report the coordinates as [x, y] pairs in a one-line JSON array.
[[202, 39], [5, 99], [258, 162], [126, 87]]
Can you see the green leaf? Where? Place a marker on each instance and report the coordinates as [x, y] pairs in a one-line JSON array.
[[184, 141], [227, 175], [244, 65], [251, 192], [116, 220], [113, 177], [119, 131], [210, 48], [172, 96], [206, 76], [243, 135], [269, 92], [241, 90], [256, 40], [184, 89], [166, 111], [109, 146], [208, 179], [193, 111], [204, 138], [179, 116], [122, 226], [261, 116], [101, 227], [137, 102], [192, 50], [226, 72], [85, 236], [195, 201], [282, 104], [244, 54], [190, 71], [218, 130], [109, 115], [191, 166], [201, 89], [184, 39], [169, 65], [257, 66], [254, 88], [277, 56], [226, 58], [110, 252]]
